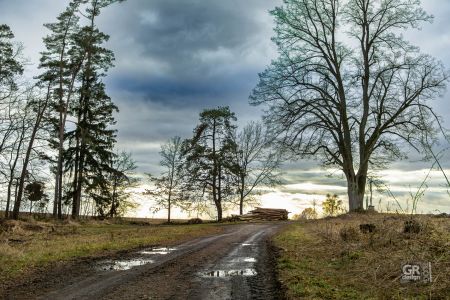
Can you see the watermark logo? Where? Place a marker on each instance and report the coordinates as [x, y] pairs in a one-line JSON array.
[[416, 272]]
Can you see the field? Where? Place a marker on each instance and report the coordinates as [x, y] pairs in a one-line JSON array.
[[29, 246], [333, 259]]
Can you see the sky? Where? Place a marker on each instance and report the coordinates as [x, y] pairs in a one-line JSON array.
[[175, 58]]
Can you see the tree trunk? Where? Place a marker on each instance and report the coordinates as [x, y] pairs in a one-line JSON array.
[[55, 201], [241, 204], [22, 177], [8, 196], [60, 169], [169, 208], [75, 178], [10, 184], [241, 196], [219, 211], [78, 191], [356, 189]]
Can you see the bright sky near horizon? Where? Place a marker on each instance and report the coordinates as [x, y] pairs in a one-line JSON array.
[[177, 57]]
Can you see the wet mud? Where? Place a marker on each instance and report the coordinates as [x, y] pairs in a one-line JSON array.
[[238, 264]]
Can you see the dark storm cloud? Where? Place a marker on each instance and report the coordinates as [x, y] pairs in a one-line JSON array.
[[175, 58], [189, 36]]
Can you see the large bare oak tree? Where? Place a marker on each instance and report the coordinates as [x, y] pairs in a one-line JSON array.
[[347, 88]]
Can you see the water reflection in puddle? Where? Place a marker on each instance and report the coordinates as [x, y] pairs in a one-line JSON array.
[[247, 244], [121, 265], [230, 273], [160, 251], [244, 260]]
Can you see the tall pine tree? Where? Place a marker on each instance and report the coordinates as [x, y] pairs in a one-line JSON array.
[[210, 161], [62, 62], [92, 142]]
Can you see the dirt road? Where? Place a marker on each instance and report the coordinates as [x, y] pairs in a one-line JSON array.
[[238, 264]]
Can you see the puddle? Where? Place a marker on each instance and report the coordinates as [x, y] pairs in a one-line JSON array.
[[244, 260], [230, 273], [247, 244], [160, 251], [121, 265]]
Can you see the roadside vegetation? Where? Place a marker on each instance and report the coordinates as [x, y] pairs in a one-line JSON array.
[[336, 258], [27, 246]]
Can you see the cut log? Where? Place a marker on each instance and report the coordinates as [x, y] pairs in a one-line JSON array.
[[264, 214]]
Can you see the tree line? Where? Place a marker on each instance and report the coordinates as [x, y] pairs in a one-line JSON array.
[[57, 134], [60, 125]]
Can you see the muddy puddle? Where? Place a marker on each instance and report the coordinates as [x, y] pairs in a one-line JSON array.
[[229, 273], [122, 265], [127, 264], [157, 251]]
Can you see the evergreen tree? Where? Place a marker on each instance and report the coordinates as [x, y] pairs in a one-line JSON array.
[[92, 142], [10, 64], [62, 61], [109, 189], [210, 162]]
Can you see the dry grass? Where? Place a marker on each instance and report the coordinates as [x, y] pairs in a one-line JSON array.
[[25, 246], [333, 259]]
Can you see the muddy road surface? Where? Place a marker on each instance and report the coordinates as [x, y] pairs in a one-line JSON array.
[[237, 264]]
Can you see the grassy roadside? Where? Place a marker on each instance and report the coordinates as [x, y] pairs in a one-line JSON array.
[[25, 246], [333, 259]]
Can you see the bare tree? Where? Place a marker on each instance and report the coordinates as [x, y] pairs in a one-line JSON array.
[[258, 162], [167, 192], [15, 155], [348, 89], [13, 121], [39, 106]]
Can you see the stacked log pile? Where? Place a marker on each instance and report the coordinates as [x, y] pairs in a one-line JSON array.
[[265, 214]]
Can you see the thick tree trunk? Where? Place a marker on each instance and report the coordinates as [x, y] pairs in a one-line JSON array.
[[356, 187]]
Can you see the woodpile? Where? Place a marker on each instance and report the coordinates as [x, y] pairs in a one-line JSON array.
[[264, 214]]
